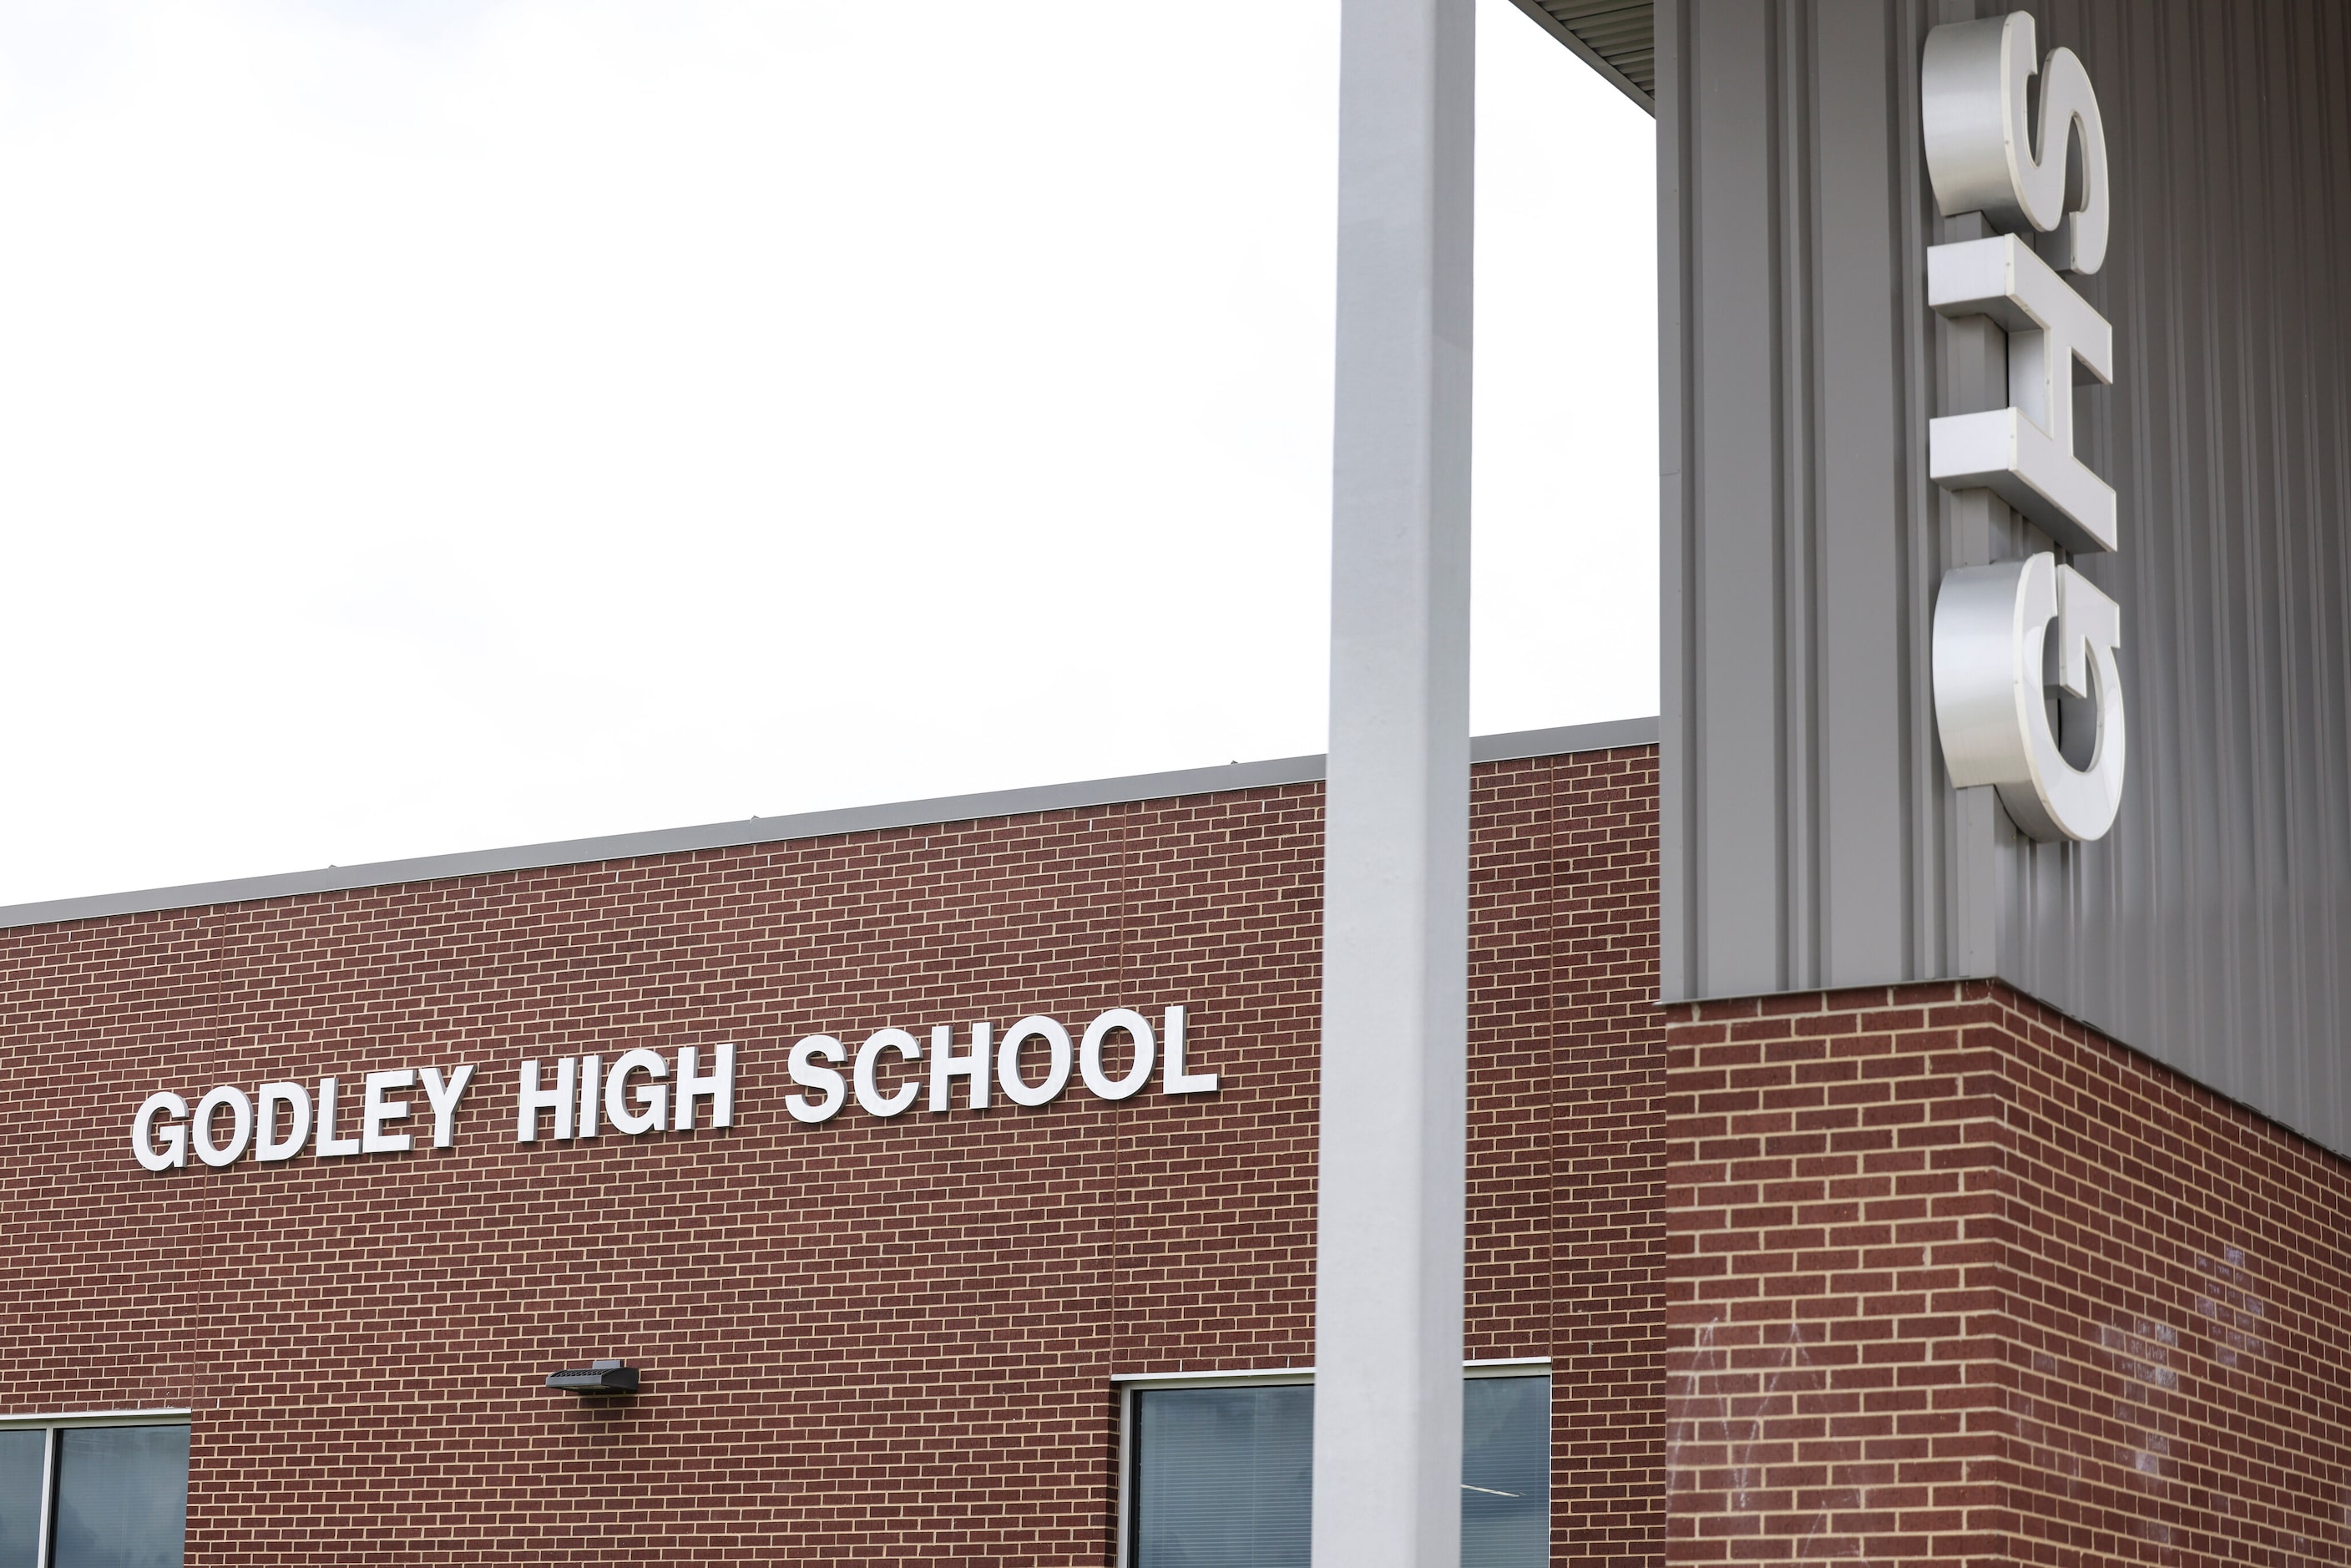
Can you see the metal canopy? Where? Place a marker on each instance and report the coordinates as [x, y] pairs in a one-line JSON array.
[[1616, 38]]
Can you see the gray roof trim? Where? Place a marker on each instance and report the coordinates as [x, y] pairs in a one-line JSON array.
[[1026, 802], [1606, 735]]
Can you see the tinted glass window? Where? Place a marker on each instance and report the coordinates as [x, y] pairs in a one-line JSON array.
[[1224, 1477], [1506, 1472], [122, 1497], [22, 1457]]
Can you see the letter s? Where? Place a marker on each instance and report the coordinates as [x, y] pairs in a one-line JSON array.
[[808, 1075]]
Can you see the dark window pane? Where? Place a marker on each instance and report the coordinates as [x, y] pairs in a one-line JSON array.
[[1506, 1472], [1224, 1477], [22, 1455], [122, 1497]]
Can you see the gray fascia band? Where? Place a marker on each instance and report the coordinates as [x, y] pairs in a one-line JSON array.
[[1032, 801]]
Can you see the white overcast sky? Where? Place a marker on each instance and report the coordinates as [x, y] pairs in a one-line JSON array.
[[433, 425]]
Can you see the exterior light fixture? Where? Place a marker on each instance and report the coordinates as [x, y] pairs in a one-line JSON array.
[[598, 1377]]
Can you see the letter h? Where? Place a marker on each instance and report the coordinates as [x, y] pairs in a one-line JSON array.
[[532, 1099]]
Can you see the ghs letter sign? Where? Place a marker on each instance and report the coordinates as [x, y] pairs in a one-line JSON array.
[[2060, 779]]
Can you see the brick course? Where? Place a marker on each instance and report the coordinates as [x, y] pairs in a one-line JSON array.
[[867, 1339]]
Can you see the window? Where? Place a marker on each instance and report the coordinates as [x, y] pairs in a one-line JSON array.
[[1219, 1470], [94, 1491]]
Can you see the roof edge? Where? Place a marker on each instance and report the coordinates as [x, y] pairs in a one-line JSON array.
[[1589, 56], [1030, 802]]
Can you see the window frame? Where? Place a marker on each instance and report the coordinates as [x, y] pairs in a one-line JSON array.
[[1127, 1384], [55, 1423]]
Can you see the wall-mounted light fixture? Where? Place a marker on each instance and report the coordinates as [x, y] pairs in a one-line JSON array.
[[598, 1377]]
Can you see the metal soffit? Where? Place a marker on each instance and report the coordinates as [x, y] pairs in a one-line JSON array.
[[1616, 38]]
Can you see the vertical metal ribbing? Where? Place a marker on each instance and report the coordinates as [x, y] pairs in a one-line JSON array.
[[1388, 1441], [44, 1543]]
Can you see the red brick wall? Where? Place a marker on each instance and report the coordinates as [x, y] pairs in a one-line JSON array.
[[1953, 1278], [887, 1339], [1563, 985]]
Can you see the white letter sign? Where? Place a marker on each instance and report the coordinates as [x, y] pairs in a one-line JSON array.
[[1993, 623], [1992, 629], [174, 1151], [1981, 156], [644, 1093], [2025, 451]]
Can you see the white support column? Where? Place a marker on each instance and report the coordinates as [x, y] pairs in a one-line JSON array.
[[1388, 1416]]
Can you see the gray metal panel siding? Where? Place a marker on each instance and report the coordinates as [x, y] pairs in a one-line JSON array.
[[1809, 839], [1678, 852], [1856, 566], [2212, 928], [1809, 836], [1739, 686]]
